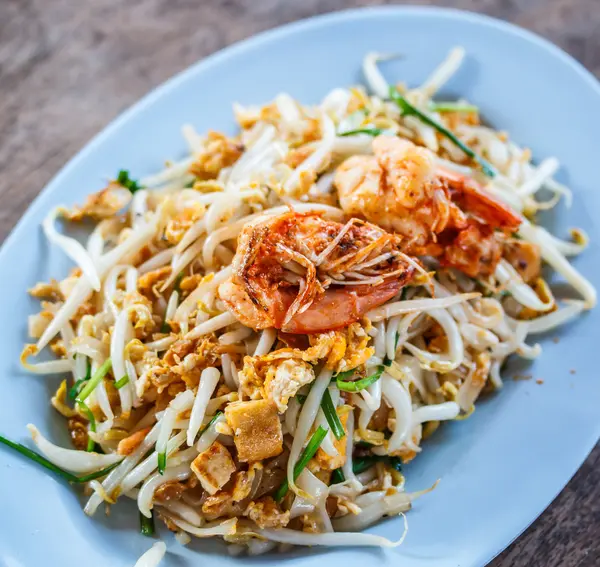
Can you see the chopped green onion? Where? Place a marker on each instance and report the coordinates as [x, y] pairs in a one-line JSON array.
[[177, 281], [305, 457], [74, 390], [126, 181], [453, 107], [120, 383], [40, 460], [408, 109], [88, 412], [97, 474], [94, 380], [361, 464], [358, 385], [387, 361], [147, 524], [165, 328], [331, 415], [370, 131], [344, 375], [337, 476], [213, 419], [162, 462]]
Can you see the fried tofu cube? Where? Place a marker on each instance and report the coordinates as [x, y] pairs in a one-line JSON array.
[[213, 467], [256, 429]]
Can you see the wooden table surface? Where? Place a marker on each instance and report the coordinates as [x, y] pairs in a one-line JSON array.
[[67, 68]]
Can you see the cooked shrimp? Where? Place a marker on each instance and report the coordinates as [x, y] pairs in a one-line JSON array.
[[304, 274], [438, 212]]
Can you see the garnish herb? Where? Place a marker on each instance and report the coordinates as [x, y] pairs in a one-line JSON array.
[[126, 181], [36, 457], [305, 457], [358, 385], [213, 419], [361, 464], [331, 415], [162, 462], [408, 109], [337, 476], [370, 131], [147, 524], [89, 414], [345, 374], [122, 382], [452, 107], [75, 388], [94, 380]]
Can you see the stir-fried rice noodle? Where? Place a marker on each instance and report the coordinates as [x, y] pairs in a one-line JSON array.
[[258, 336]]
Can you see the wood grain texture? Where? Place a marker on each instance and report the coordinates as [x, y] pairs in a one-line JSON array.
[[67, 68]]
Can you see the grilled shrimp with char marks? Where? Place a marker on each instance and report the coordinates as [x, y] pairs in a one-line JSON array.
[[438, 212], [303, 274]]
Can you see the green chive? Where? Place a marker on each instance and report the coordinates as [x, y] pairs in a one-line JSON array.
[[370, 131], [88, 412], [213, 419], [408, 109], [301, 398], [126, 181], [177, 281], [40, 460], [452, 107], [363, 463], [147, 524], [387, 361], [120, 383], [344, 375], [74, 390], [165, 327], [305, 457], [162, 462], [358, 385], [337, 476], [94, 380], [331, 415], [97, 474]]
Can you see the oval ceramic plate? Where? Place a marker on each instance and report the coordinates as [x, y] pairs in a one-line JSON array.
[[501, 467]]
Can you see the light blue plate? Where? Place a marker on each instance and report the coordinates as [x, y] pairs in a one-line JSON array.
[[501, 467]]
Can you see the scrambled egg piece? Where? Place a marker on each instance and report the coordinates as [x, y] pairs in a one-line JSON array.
[[101, 205], [149, 282], [280, 374], [278, 381], [256, 429], [265, 513], [219, 152], [213, 467], [284, 382], [179, 224]]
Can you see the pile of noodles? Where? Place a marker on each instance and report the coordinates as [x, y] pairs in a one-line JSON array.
[[145, 289]]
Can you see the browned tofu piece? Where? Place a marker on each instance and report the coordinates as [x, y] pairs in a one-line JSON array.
[[256, 429], [213, 467]]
